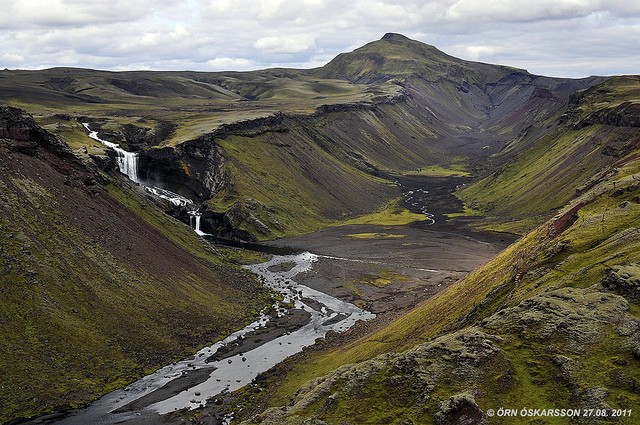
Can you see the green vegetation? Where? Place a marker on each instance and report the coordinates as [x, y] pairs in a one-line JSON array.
[[466, 212], [512, 297], [381, 278], [272, 194], [392, 214], [461, 170]]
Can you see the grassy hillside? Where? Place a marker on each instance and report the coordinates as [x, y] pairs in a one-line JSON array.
[[99, 286], [552, 322], [597, 131], [320, 170], [198, 102]]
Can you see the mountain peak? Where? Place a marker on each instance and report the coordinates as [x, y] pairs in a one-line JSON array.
[[392, 56], [392, 36], [396, 55]]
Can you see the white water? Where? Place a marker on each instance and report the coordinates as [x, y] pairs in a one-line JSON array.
[[128, 164], [237, 371], [174, 198], [194, 222], [409, 197], [127, 161]]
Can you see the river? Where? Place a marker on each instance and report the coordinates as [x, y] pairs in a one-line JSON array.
[[226, 365]]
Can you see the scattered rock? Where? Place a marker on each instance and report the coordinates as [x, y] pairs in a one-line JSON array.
[[460, 409], [624, 280]]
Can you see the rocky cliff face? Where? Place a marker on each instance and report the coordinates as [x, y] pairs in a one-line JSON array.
[[21, 132]]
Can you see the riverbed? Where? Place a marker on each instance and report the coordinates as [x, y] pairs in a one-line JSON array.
[[297, 319]]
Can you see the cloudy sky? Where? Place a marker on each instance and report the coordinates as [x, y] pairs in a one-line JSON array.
[[569, 38]]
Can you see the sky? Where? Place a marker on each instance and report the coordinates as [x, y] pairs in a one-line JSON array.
[[560, 38]]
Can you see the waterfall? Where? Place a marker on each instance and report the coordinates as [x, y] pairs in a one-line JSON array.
[[128, 165], [197, 228], [127, 161], [194, 222]]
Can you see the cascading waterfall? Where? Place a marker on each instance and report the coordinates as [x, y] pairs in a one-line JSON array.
[[197, 227], [128, 165], [127, 161], [194, 221]]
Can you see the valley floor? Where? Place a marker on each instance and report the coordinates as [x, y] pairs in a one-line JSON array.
[[386, 270]]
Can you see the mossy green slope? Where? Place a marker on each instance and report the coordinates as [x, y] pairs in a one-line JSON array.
[[98, 284], [321, 170], [593, 134]]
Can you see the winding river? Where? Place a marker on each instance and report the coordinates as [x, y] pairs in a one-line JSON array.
[[215, 370]]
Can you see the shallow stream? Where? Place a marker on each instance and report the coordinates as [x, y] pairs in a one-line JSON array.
[[191, 382]]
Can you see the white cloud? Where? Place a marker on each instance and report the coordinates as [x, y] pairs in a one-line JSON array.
[[479, 52], [549, 36], [286, 43], [520, 10], [222, 64], [28, 13]]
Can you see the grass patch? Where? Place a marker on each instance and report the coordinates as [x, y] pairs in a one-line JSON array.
[[447, 170], [392, 214], [382, 278], [466, 212]]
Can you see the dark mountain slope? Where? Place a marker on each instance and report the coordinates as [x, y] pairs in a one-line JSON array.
[[98, 285], [599, 128], [466, 100]]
